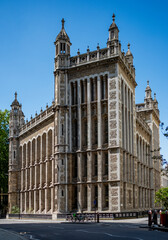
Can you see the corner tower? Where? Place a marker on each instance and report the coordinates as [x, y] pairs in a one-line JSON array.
[[62, 63], [16, 120]]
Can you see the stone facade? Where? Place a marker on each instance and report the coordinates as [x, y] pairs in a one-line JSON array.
[[92, 149]]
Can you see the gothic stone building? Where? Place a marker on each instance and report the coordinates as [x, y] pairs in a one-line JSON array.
[[93, 147]]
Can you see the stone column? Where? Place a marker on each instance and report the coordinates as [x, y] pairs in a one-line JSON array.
[[88, 114], [41, 176], [100, 166], [46, 174], [79, 116], [53, 172], [35, 178], [79, 189], [124, 132], [21, 202], [100, 186], [89, 203], [85, 90], [30, 199], [104, 86], [99, 113], [89, 167], [26, 179]]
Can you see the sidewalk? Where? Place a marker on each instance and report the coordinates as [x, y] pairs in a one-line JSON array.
[[8, 235]]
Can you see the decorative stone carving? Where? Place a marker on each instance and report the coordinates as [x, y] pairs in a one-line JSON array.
[[112, 105]]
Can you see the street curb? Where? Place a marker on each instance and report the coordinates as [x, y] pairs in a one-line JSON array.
[[13, 233], [163, 229]]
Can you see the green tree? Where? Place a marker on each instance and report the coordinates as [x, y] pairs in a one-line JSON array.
[[161, 197], [164, 131], [4, 150]]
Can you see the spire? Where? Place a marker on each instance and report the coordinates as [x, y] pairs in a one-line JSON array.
[[154, 96], [128, 51], [15, 102], [63, 21], [113, 25], [148, 91], [15, 96], [148, 87], [129, 55], [113, 35], [113, 17], [62, 35]]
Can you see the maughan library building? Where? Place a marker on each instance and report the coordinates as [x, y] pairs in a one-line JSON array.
[[92, 148]]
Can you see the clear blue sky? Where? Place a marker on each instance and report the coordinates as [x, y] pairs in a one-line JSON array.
[[28, 29]]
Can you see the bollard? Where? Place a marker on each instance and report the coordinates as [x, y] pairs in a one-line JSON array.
[[160, 216], [155, 217], [97, 217], [149, 218]]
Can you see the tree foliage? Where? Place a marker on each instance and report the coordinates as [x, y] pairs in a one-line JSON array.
[[164, 162], [161, 197], [4, 150]]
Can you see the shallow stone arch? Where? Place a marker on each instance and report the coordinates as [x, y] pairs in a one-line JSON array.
[[38, 139], [44, 139], [28, 153], [50, 143], [24, 156]]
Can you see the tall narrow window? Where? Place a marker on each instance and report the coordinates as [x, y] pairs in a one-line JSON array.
[[85, 165], [94, 133], [75, 133], [62, 129], [102, 88], [92, 90], [105, 130], [95, 196], [84, 127], [106, 196], [74, 166], [74, 198], [85, 198], [95, 165], [106, 164], [14, 154], [82, 92], [72, 94]]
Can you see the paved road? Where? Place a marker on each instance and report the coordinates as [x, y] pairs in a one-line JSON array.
[[115, 230]]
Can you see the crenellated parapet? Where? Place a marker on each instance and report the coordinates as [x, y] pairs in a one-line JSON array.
[[141, 121], [101, 54], [37, 120]]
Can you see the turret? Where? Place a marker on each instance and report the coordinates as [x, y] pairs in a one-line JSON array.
[[129, 55], [148, 96], [62, 48], [155, 102], [113, 41], [16, 120]]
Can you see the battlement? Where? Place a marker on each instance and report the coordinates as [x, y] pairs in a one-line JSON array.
[[43, 116], [98, 55]]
